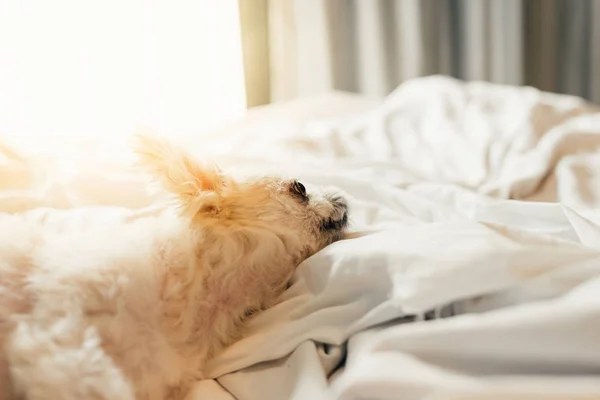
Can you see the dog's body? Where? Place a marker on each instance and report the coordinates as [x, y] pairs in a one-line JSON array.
[[132, 307]]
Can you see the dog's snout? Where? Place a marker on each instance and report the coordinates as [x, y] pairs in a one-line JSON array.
[[339, 214], [339, 203]]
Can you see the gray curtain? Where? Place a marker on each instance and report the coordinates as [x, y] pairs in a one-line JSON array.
[[371, 46]]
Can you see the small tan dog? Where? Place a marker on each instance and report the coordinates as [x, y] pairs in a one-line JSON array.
[[132, 308]]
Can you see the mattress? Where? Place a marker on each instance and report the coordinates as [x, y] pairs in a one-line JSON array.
[[472, 267]]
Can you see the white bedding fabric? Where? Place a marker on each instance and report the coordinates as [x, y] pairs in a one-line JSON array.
[[467, 198]]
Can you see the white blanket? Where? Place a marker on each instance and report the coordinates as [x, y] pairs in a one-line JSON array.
[[431, 171]]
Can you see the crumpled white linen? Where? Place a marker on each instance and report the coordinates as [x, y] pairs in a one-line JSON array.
[[472, 197]]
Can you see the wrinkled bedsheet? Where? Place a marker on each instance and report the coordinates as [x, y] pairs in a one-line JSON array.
[[473, 267]]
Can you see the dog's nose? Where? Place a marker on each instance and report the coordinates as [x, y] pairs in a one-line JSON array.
[[339, 216], [338, 202], [343, 207], [344, 221]]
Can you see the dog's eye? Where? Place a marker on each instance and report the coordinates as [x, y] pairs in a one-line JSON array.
[[298, 188]]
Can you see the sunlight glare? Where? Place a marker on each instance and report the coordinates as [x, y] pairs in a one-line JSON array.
[[108, 67]]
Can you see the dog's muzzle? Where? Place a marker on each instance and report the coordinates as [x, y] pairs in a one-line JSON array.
[[338, 219]]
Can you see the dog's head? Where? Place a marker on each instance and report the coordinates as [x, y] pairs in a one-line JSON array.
[[306, 218]]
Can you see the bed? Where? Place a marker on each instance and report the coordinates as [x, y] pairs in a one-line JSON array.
[[472, 270]]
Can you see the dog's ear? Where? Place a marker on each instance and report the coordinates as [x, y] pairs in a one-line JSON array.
[[198, 187]]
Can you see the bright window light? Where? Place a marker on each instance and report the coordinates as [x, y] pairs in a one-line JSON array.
[[107, 67]]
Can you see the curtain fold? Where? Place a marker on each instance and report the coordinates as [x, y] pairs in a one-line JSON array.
[[595, 53], [372, 46]]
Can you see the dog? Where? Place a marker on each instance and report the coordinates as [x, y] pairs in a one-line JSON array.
[[134, 307]]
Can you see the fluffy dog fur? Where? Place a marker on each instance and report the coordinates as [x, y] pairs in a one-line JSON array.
[[131, 308]]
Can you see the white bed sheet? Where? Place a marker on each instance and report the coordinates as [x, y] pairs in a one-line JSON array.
[[474, 197]]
